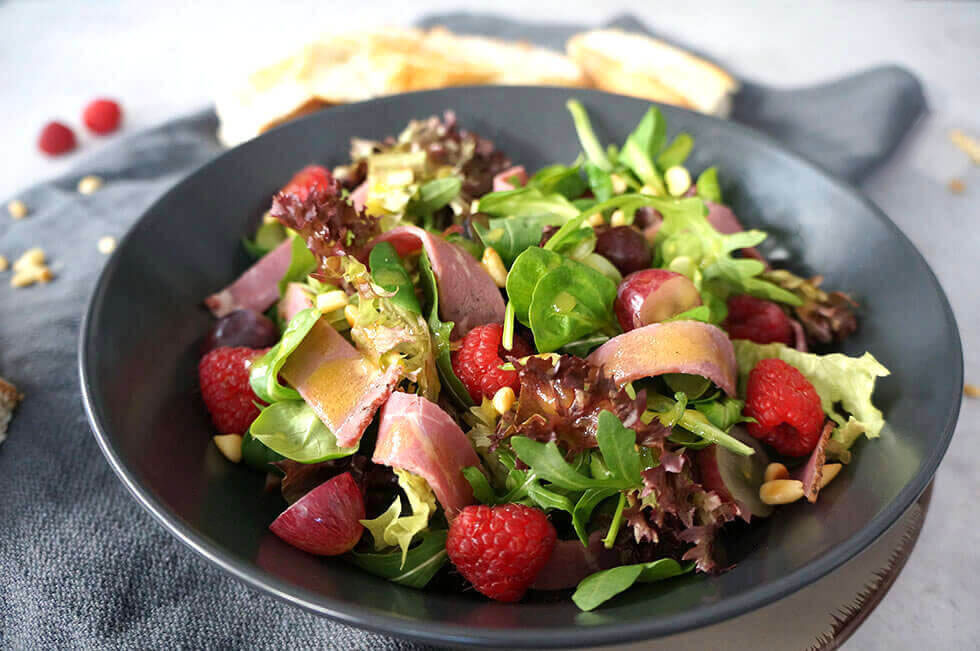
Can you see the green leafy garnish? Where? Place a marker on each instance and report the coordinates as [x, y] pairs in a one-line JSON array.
[[598, 588], [387, 272], [673, 414], [258, 455], [722, 413], [618, 447], [301, 264], [527, 202], [642, 146], [433, 195], [708, 187], [417, 567], [291, 428], [568, 303], [269, 235], [590, 144], [676, 152], [849, 381], [510, 236], [391, 528], [600, 181], [582, 512], [559, 179], [264, 375], [441, 331]]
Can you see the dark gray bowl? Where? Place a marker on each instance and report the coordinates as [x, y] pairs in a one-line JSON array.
[[138, 355]]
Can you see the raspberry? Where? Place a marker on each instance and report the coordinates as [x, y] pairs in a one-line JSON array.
[[757, 320], [224, 386], [500, 549], [306, 178], [477, 362], [102, 116], [56, 138], [786, 406]]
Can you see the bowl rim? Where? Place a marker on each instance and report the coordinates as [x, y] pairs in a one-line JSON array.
[[442, 633]]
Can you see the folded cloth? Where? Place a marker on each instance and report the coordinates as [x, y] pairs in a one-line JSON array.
[[81, 564]]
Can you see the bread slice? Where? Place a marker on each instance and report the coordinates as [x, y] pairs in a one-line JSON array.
[[362, 65], [9, 397], [636, 64]]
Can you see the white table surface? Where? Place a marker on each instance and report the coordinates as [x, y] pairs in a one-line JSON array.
[[165, 59]]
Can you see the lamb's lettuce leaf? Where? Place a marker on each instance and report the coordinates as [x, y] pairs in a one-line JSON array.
[[291, 428], [264, 375]]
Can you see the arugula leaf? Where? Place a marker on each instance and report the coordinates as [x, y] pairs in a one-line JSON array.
[[618, 447], [590, 144], [600, 181], [642, 146], [676, 152], [568, 303], [527, 202], [388, 272], [673, 413], [598, 588], [292, 429], [482, 490], [582, 512], [547, 499], [419, 566], [301, 264], [837, 378], [582, 347], [440, 332], [264, 376], [549, 463], [433, 195], [707, 185], [559, 179]]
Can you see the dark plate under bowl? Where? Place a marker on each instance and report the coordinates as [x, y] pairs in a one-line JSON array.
[[138, 356]]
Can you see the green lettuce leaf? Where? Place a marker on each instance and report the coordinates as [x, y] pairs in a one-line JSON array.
[[301, 264], [391, 528], [837, 378], [559, 179]]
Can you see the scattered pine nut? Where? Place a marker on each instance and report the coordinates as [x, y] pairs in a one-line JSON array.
[[230, 445], [89, 184], [776, 471], [17, 209], [830, 471], [781, 491], [970, 146], [971, 390], [494, 266], [4, 263], [678, 180], [107, 244], [33, 257], [618, 218], [503, 400], [31, 275], [956, 186]]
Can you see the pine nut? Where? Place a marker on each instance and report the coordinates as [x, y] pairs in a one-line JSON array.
[[618, 183], [89, 184], [230, 446], [329, 301], [17, 209], [650, 191], [33, 257], [503, 400], [107, 245], [678, 180], [596, 220], [494, 266], [4, 264], [781, 491], [618, 218], [830, 471], [350, 313], [776, 471]]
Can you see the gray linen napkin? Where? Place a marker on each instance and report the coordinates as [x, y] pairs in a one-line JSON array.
[[81, 565]]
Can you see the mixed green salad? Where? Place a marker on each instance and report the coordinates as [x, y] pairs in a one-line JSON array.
[[462, 374]]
